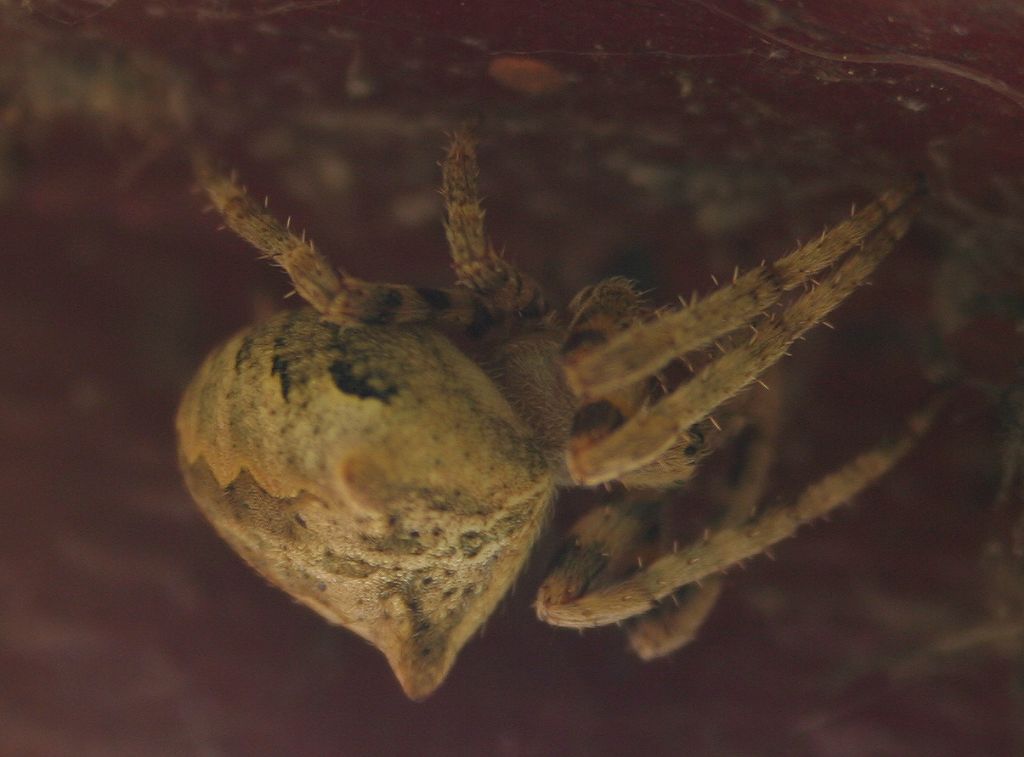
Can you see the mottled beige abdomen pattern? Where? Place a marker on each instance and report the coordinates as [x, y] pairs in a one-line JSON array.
[[375, 474]]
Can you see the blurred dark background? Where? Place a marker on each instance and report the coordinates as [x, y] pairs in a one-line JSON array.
[[664, 140]]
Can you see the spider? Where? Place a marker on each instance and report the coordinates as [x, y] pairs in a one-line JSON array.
[[389, 454]]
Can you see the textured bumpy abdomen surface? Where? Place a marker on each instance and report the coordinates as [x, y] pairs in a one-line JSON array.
[[376, 474]]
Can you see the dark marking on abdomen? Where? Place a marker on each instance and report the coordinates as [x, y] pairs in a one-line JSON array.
[[244, 350], [367, 387], [279, 368]]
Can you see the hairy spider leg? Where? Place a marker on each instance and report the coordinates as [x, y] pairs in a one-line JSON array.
[[339, 298], [614, 540], [647, 347], [672, 625], [477, 264], [606, 545], [649, 433], [597, 313], [642, 591]]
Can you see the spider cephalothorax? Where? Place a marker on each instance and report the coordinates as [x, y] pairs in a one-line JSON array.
[[379, 474]]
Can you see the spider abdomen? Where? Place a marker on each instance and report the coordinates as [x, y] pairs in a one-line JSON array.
[[376, 474]]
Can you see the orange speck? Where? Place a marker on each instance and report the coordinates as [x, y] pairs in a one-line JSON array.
[[528, 76]]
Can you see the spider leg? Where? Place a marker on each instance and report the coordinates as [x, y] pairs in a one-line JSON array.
[[648, 347], [611, 542], [656, 429], [339, 298], [477, 264], [642, 591], [674, 624], [598, 312], [605, 546]]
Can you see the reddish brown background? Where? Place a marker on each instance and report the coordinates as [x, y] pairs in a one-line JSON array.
[[663, 140]]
